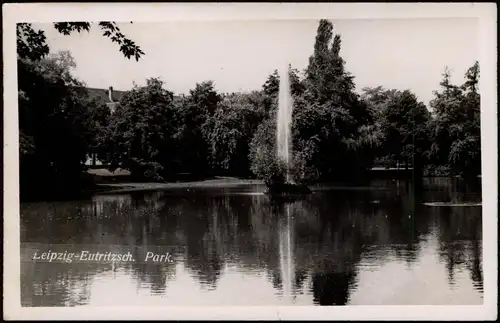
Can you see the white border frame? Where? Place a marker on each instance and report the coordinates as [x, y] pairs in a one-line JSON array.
[[149, 12]]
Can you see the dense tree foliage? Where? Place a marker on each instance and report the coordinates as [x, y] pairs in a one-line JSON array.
[[141, 131], [56, 124], [265, 165], [401, 122], [193, 132], [456, 133], [331, 125], [442, 141], [337, 133], [231, 127]]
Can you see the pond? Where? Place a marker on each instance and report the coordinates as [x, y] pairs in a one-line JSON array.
[[378, 244]]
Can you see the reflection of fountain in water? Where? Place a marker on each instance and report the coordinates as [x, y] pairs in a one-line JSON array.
[[286, 256]]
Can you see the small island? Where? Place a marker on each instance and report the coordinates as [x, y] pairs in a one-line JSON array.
[[287, 189]]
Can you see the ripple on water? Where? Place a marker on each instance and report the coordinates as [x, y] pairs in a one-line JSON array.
[[454, 204], [246, 193]]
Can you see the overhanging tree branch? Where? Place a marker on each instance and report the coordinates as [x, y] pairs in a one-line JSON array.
[[32, 45]]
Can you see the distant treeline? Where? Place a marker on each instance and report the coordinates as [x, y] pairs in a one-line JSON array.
[[337, 133]]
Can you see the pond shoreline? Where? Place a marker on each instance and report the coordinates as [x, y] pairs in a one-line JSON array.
[[126, 187], [104, 182], [218, 182]]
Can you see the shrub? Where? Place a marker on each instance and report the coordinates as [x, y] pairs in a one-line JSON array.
[[264, 162]]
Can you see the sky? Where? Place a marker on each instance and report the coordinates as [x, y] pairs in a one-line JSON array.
[[238, 56]]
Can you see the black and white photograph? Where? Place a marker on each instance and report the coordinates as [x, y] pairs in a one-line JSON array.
[[318, 160]]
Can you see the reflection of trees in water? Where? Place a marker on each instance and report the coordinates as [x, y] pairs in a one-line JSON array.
[[475, 265], [154, 276], [460, 238], [332, 288], [204, 222], [452, 190], [56, 284], [336, 247], [389, 221], [119, 220], [331, 233]]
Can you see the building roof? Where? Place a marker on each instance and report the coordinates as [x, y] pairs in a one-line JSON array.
[[103, 95]]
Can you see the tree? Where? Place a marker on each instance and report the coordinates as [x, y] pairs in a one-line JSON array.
[[400, 129], [376, 100], [403, 126], [456, 125], [466, 155], [58, 124], [332, 129], [231, 129], [326, 78], [264, 162], [55, 125], [193, 132], [32, 45], [271, 87], [141, 131], [444, 107], [333, 121], [101, 116]]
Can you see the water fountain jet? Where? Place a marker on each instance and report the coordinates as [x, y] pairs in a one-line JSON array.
[[284, 138]]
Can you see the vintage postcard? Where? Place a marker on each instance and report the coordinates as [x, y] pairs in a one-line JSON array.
[[250, 161]]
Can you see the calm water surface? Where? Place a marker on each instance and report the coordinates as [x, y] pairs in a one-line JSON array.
[[339, 246]]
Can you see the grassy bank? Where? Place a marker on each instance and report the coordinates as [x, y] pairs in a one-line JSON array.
[[120, 181]]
